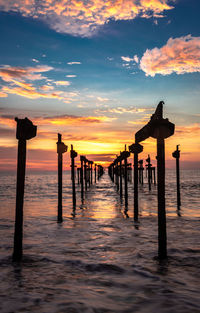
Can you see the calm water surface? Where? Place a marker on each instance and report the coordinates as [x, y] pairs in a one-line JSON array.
[[98, 260]]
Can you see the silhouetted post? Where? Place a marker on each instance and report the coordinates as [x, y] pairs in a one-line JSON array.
[[78, 175], [25, 131], [159, 128], [73, 155], [141, 169], [89, 173], [124, 155], [125, 182], [91, 176], [117, 174], [85, 173], [136, 148], [61, 148], [148, 165], [120, 173], [95, 173], [81, 177], [162, 236], [176, 155], [154, 175]]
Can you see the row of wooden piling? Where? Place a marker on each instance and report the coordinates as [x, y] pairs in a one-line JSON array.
[[160, 129], [25, 131]]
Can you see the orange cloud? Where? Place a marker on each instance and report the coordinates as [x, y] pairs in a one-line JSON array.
[[72, 120], [62, 83], [16, 79], [82, 18], [32, 93], [179, 55], [10, 73], [3, 94]]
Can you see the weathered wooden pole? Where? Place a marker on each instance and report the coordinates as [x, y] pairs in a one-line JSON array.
[[25, 131], [162, 235], [154, 175], [85, 173], [78, 175], [117, 175], [136, 148], [124, 155], [125, 183], [121, 180], [61, 148], [95, 173], [159, 128], [91, 174], [176, 155], [73, 155], [141, 169], [81, 177], [148, 165]]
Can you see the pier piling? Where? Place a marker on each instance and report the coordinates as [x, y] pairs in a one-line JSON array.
[[25, 131], [160, 129], [73, 155], [61, 148], [136, 148], [176, 155]]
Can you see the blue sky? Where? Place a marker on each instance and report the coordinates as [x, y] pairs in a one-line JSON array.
[[98, 71]]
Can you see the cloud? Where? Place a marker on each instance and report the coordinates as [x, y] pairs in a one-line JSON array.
[[8, 73], [179, 55], [136, 59], [62, 83], [72, 63], [17, 77], [73, 120], [83, 18], [102, 99], [47, 87], [32, 93], [71, 76], [34, 60], [3, 94], [193, 129], [127, 59], [123, 110]]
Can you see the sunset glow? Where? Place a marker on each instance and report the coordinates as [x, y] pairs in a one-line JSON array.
[[95, 71]]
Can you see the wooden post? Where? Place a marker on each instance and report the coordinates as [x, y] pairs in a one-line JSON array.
[[73, 156], [162, 234], [136, 149], [82, 184], [61, 148], [91, 173], [95, 172], [78, 175], [154, 175], [120, 173], [148, 165], [117, 176], [25, 130], [85, 173], [176, 155], [159, 128], [125, 182]]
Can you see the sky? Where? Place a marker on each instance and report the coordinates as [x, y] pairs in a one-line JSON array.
[[95, 71]]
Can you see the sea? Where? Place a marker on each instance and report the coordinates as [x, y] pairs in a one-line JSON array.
[[98, 260]]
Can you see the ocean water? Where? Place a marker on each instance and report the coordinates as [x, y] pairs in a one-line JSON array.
[[99, 260]]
